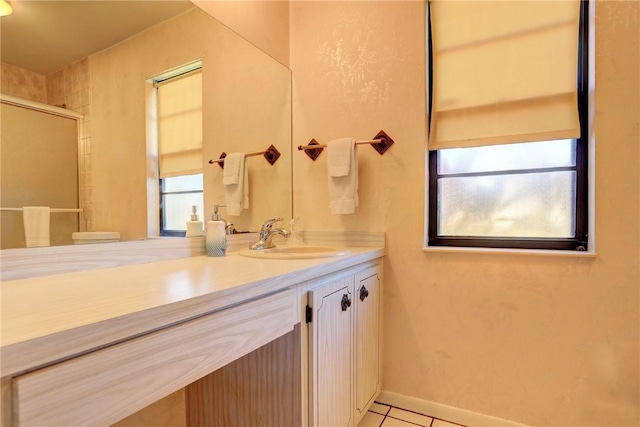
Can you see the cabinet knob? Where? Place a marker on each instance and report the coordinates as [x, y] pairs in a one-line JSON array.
[[346, 302], [364, 292]]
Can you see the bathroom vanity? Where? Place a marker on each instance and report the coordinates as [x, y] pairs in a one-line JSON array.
[[242, 341]]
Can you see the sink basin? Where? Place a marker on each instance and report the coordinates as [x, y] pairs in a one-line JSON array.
[[295, 252]]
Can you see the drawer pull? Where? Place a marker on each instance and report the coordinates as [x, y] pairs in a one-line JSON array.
[[364, 293], [346, 302]]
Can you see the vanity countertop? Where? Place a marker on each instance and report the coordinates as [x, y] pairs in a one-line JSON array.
[[50, 318]]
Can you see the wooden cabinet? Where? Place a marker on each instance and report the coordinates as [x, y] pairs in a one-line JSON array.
[[256, 362], [104, 386], [344, 346]]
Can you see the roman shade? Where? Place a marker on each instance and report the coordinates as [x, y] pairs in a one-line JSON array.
[[180, 125], [503, 72]]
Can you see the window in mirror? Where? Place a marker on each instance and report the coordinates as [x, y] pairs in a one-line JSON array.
[[179, 121], [177, 196]]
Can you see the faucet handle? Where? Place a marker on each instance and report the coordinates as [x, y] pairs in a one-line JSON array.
[[269, 223]]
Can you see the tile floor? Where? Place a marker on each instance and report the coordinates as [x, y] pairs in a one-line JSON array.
[[382, 415]]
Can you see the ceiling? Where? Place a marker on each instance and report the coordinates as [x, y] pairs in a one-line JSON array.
[[45, 36]]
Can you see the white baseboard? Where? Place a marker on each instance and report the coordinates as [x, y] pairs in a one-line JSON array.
[[444, 412]]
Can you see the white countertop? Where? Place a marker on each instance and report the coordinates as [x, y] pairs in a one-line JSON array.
[[49, 318]]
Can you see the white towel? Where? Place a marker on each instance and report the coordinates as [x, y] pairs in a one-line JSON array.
[[36, 225], [342, 168], [236, 183], [339, 153]]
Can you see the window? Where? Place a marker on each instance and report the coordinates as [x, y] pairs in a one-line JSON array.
[[179, 121], [529, 193]]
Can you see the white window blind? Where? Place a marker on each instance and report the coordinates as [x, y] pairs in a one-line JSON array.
[[503, 72], [180, 125]]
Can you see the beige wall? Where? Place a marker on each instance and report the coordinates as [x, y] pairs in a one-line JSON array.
[[541, 340], [23, 83], [265, 23]]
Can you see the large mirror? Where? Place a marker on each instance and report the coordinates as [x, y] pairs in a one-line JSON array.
[[246, 107]]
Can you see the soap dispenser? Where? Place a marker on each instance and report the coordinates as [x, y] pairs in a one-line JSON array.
[[216, 238], [194, 227]]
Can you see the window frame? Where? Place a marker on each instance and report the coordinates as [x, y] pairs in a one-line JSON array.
[[577, 243]]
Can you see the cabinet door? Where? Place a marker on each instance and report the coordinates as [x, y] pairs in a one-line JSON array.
[[331, 354], [367, 325]]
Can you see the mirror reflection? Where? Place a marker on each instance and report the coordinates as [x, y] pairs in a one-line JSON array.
[[245, 108]]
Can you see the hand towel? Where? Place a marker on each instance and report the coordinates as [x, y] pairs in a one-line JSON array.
[[232, 164], [236, 184], [36, 225], [339, 156], [343, 187]]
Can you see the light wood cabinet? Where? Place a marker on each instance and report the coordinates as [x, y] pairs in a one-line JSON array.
[[107, 385], [344, 347], [261, 389]]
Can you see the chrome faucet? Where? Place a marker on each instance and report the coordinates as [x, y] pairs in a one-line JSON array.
[[267, 232]]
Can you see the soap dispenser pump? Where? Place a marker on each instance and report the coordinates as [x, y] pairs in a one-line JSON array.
[[194, 227]]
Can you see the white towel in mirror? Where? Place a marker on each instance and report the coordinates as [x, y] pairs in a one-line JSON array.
[[36, 226], [236, 183], [232, 168]]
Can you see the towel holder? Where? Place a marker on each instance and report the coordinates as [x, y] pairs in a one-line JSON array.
[[271, 154], [381, 143]]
